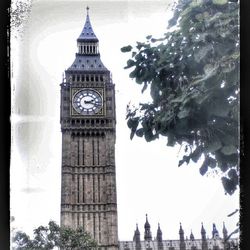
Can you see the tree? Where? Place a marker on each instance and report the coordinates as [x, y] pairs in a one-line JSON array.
[[193, 76], [53, 236]]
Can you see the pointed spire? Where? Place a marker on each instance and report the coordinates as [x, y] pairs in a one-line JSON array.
[[137, 229], [202, 229], [181, 230], [147, 233], [181, 233], [203, 232], [87, 33], [147, 225], [137, 234], [159, 229], [224, 230], [215, 232], [191, 236], [159, 234]]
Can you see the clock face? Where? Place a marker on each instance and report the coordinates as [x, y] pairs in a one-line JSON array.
[[87, 102]]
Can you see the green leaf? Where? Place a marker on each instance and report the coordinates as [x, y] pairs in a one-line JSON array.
[[203, 169], [228, 150], [183, 113], [130, 63], [196, 154], [212, 146], [133, 123], [201, 53], [139, 132], [126, 48], [171, 140]]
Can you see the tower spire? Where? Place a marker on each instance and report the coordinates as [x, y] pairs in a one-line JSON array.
[[147, 233], [204, 245], [87, 34], [159, 238], [159, 234], [137, 239], [215, 232], [182, 241], [191, 236], [224, 231]]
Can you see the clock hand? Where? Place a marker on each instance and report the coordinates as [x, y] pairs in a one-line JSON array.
[[90, 101]]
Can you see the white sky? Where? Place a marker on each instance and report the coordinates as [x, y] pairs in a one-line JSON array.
[[148, 179]]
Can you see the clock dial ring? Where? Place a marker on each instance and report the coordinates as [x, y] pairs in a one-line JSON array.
[[87, 102]]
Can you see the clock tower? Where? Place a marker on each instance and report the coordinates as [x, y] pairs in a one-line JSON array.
[[88, 185]]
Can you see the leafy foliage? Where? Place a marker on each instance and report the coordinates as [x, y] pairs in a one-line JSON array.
[[193, 76], [53, 236]]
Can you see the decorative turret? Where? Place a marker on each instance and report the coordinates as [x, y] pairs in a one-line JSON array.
[[203, 232], [147, 232], [159, 238], [191, 236], [137, 239], [204, 245], [224, 230], [137, 235], [181, 233], [215, 233], [159, 234], [182, 240]]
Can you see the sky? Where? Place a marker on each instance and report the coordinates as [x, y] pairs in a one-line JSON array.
[[148, 178]]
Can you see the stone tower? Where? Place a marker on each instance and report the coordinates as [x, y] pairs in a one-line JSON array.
[[88, 186]]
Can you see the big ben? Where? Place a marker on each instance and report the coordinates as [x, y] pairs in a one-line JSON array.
[[88, 184]]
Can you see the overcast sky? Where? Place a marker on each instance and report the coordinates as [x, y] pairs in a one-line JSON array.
[[148, 179]]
